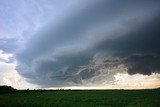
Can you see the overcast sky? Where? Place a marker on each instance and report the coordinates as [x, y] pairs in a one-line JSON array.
[[80, 43]]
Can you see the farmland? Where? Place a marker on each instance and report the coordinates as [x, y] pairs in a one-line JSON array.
[[81, 98]]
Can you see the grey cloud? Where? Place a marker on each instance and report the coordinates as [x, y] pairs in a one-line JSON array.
[[143, 64], [64, 54], [9, 45], [143, 41]]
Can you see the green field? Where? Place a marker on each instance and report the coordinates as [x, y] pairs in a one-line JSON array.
[[68, 98]]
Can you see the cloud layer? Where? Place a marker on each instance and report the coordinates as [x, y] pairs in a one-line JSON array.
[[89, 42]]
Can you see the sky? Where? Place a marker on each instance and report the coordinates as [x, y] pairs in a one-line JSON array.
[[80, 44]]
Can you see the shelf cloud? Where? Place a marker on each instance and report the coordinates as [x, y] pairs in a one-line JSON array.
[[90, 43]]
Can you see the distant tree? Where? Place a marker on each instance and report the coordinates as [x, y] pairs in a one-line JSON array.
[[7, 89], [27, 90]]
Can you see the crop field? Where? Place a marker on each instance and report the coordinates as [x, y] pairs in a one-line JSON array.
[[82, 98]]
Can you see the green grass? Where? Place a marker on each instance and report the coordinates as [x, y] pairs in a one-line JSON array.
[[103, 98]]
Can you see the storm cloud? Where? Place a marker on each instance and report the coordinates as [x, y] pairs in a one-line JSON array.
[[94, 42]]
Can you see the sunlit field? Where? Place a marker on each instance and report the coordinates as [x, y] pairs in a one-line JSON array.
[[82, 98]]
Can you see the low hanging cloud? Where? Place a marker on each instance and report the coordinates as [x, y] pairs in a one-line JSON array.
[[93, 44]]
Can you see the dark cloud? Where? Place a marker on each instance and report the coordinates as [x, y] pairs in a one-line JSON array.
[[93, 41], [143, 40], [143, 64]]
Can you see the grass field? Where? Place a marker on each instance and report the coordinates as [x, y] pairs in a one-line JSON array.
[[98, 98]]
